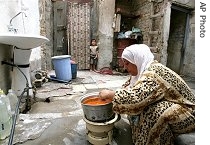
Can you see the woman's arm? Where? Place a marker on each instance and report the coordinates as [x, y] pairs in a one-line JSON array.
[[146, 91]]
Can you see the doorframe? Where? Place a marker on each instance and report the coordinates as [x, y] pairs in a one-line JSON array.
[[187, 12]]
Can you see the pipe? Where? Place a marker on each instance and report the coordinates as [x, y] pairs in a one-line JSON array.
[[10, 22], [14, 117]]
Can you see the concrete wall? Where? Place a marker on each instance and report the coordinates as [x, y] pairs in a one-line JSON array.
[[5, 76], [33, 27], [46, 24], [40, 57], [27, 25], [105, 32], [94, 20], [143, 7], [102, 13], [165, 31]]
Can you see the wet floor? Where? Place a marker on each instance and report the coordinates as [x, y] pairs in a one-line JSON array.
[[56, 117]]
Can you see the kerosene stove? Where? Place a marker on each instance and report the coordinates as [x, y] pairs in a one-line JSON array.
[[99, 118], [101, 133]]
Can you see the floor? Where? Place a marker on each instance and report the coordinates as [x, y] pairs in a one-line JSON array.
[[56, 117]]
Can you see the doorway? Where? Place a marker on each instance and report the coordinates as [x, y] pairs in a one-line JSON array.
[[78, 32], [59, 28], [71, 30], [179, 25]]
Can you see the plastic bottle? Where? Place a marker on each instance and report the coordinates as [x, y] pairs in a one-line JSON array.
[[13, 100], [6, 100], [5, 118]]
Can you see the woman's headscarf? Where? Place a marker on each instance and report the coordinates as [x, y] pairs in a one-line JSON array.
[[140, 55]]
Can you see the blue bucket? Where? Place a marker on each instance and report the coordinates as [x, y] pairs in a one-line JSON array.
[[62, 66], [74, 70]]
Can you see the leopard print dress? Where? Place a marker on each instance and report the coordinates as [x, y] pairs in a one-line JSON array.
[[163, 102]]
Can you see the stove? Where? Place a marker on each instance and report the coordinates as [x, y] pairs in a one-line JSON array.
[[101, 133]]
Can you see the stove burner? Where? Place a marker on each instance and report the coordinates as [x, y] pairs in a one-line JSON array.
[[100, 133]]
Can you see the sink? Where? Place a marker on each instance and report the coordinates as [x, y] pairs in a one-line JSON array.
[[23, 41], [24, 44]]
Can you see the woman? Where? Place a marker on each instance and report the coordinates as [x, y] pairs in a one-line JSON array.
[[159, 104]]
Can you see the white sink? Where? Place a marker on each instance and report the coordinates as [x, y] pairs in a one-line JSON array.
[[22, 41]]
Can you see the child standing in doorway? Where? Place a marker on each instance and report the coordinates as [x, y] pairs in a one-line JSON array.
[[93, 55]]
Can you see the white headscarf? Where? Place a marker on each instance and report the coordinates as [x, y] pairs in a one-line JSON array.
[[141, 56]]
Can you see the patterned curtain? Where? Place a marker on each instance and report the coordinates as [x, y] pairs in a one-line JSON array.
[[78, 28]]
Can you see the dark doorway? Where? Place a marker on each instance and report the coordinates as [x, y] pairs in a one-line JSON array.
[[177, 38], [59, 28]]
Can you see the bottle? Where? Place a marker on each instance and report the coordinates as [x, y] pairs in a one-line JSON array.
[[13, 100], [5, 118], [6, 100]]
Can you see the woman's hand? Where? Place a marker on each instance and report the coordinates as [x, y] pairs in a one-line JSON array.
[[103, 94]]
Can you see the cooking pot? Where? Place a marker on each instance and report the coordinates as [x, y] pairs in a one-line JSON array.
[[96, 112]]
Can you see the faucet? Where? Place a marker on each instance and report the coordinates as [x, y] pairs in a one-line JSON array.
[[10, 26]]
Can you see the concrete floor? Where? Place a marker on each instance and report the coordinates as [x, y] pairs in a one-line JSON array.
[[56, 118]]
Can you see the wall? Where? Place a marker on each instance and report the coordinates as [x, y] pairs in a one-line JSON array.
[[102, 12], [28, 25], [5, 50], [101, 28], [105, 32], [5, 77], [143, 7], [46, 24], [94, 20]]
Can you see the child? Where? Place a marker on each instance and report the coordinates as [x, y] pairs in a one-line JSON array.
[[93, 55]]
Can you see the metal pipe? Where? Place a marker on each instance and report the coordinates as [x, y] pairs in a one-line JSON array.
[[16, 16]]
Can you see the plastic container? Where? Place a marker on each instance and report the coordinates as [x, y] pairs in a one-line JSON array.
[[13, 100], [62, 66], [6, 100], [5, 118], [74, 70]]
